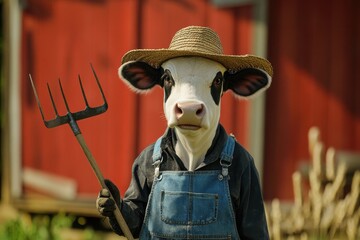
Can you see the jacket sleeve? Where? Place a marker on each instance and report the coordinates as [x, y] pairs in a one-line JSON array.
[[135, 200], [251, 219]]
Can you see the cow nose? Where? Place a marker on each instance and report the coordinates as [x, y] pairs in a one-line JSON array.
[[189, 112]]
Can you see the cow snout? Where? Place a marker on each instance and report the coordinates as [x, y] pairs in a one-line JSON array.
[[189, 114]]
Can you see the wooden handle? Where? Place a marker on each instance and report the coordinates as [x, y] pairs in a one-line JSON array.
[[119, 218]]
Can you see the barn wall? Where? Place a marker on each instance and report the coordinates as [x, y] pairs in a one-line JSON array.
[[60, 39], [315, 55], [315, 51]]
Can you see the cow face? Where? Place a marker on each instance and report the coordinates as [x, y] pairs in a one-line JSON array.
[[193, 88], [192, 92]]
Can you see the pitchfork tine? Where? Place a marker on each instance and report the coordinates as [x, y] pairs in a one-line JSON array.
[[98, 83], [37, 98], [83, 92], [52, 100], [63, 95]]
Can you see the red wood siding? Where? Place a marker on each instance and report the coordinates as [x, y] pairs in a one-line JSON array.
[[314, 48], [60, 39]]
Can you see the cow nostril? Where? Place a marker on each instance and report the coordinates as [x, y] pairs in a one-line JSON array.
[[200, 111], [178, 111]]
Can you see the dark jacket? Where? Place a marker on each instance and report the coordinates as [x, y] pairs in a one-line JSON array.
[[244, 184]]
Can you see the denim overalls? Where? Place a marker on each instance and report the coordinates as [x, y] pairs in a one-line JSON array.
[[190, 205]]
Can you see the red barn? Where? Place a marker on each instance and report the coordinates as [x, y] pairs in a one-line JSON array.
[[313, 46]]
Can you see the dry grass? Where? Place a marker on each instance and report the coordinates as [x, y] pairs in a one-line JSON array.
[[327, 211]]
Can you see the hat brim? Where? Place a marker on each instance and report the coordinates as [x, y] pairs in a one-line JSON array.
[[155, 57]]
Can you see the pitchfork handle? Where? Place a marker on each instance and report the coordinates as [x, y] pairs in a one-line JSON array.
[[120, 219]]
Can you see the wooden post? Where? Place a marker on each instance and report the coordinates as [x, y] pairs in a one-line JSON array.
[[298, 196], [354, 194], [317, 157], [276, 219], [330, 164], [313, 137]]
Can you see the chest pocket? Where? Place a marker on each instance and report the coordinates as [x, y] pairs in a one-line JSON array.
[[187, 208]]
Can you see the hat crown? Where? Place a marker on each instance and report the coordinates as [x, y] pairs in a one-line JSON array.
[[197, 39]]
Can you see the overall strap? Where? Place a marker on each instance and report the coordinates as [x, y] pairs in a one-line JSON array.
[[227, 156], [157, 150], [157, 156]]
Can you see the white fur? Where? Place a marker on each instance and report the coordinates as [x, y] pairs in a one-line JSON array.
[[193, 78]]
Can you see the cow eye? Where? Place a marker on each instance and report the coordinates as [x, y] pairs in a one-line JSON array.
[[167, 79], [218, 81]]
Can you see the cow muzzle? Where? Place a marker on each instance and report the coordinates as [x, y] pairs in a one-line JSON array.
[[189, 114]]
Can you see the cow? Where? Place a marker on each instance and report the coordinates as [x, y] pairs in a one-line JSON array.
[[196, 181]]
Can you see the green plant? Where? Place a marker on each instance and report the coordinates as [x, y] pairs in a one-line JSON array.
[[59, 222], [40, 227]]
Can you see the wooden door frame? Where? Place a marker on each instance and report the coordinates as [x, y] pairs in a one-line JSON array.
[[256, 116], [11, 135]]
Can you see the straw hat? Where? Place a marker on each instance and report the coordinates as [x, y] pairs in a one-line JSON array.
[[201, 42]]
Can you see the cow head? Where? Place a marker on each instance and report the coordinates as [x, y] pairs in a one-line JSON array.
[[193, 87]]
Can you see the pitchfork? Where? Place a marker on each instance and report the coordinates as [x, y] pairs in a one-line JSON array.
[[71, 118]]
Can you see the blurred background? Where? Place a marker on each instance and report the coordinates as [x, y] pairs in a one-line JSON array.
[[313, 47]]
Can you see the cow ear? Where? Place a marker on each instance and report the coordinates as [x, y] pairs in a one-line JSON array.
[[247, 82], [140, 76]]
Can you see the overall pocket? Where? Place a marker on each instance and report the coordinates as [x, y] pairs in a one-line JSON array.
[[185, 208]]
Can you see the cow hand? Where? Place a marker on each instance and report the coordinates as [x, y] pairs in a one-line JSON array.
[[104, 204]]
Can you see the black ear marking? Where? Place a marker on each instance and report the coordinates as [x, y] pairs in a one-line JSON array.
[[246, 82], [140, 75]]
